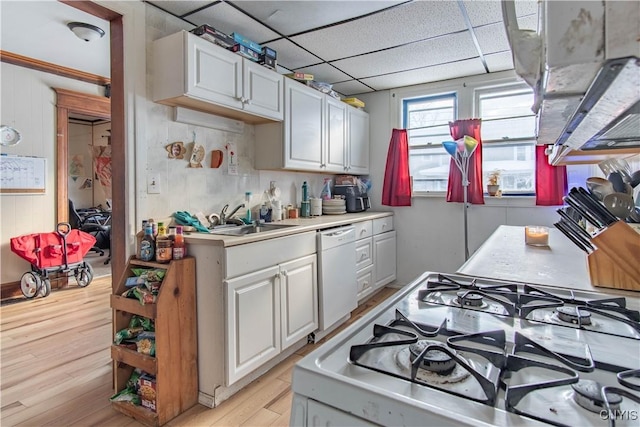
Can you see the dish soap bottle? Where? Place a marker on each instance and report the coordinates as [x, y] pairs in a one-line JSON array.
[[326, 189], [305, 210], [247, 201]]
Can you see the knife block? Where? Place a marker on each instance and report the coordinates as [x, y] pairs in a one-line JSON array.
[[616, 261]]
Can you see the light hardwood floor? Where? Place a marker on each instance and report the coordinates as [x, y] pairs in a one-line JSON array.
[[56, 367]]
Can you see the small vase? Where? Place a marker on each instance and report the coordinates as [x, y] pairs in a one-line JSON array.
[[492, 189]]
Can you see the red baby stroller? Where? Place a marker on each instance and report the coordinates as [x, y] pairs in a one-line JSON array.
[[59, 252]]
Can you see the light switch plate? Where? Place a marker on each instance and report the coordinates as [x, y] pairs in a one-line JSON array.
[[153, 184]]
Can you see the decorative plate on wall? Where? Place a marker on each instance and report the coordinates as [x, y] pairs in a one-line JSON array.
[[9, 136]]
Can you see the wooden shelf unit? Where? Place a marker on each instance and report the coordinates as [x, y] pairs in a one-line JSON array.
[[175, 365]]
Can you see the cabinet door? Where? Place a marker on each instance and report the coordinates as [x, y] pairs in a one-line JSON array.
[[213, 74], [263, 91], [335, 154], [358, 157], [299, 299], [304, 126], [253, 321], [384, 258]]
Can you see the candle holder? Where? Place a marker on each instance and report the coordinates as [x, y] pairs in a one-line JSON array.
[[536, 235], [461, 152]]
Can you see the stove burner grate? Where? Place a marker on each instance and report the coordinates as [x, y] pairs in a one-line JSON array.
[[433, 360], [469, 299], [573, 315], [587, 394]]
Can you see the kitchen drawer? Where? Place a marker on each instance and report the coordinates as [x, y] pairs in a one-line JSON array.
[[364, 253], [382, 225], [364, 229], [364, 280]]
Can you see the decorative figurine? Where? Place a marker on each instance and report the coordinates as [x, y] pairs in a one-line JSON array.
[[176, 150], [197, 156]]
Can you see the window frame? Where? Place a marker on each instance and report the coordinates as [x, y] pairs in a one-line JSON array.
[[405, 102], [518, 87]]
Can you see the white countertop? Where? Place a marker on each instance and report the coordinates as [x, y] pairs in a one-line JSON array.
[[505, 256], [301, 225]]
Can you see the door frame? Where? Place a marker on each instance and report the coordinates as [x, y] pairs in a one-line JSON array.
[[118, 251], [69, 102]]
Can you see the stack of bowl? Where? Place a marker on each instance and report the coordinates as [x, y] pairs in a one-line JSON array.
[[334, 206]]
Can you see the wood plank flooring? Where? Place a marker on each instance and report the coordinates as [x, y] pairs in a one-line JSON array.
[[55, 367]]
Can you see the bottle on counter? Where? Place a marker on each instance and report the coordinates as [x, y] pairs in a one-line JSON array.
[[154, 227], [305, 210], [326, 189], [163, 245], [147, 247], [247, 202], [179, 246]]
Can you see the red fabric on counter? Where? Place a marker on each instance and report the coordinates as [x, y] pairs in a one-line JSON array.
[[551, 181], [455, 190], [396, 189]]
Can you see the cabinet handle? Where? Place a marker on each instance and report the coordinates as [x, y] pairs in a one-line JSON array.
[[247, 101], [363, 231], [277, 275], [284, 273], [322, 165], [363, 256], [384, 226]]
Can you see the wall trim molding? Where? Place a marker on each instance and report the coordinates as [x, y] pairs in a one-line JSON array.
[[48, 67]]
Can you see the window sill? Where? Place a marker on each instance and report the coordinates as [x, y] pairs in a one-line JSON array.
[[490, 201]]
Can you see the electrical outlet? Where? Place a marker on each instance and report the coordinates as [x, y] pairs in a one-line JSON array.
[[153, 184]]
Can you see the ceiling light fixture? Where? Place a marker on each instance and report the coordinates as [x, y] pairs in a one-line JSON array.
[[86, 32]]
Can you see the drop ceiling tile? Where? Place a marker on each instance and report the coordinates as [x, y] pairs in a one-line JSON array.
[[325, 73], [227, 19], [352, 87], [291, 56], [488, 12], [499, 61], [440, 50], [435, 73], [492, 38], [292, 17], [403, 24], [180, 8]]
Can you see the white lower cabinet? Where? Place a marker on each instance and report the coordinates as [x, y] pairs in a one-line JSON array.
[[365, 282], [384, 252], [268, 311]]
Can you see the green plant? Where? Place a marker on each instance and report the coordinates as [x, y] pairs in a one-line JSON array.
[[494, 176]]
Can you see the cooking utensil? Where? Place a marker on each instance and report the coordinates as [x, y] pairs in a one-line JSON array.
[[595, 205], [599, 187], [575, 226], [634, 179], [608, 166], [560, 226], [617, 180], [619, 204]]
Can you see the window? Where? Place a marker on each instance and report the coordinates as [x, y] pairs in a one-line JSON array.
[[508, 136], [427, 122]]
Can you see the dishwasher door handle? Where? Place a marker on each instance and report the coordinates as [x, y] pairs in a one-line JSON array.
[[339, 233]]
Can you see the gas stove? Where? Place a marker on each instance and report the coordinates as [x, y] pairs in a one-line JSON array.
[[454, 350]]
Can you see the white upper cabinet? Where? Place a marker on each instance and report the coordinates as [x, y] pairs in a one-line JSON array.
[[191, 72], [358, 148], [335, 147], [316, 135]]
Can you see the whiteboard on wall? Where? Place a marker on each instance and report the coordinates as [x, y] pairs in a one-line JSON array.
[[22, 175]]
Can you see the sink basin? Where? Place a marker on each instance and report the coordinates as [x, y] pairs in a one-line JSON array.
[[249, 229]]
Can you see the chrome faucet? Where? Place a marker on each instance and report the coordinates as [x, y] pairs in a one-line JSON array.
[[223, 213]]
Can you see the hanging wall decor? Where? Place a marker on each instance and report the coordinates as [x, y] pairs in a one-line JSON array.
[[176, 150], [197, 156], [216, 158]]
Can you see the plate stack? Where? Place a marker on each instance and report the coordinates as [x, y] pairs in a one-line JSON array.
[[334, 207]]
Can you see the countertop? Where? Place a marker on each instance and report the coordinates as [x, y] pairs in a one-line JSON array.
[[505, 256], [299, 225]]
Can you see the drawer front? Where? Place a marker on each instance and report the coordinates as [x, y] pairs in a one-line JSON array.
[[364, 229], [364, 282], [382, 225], [255, 256], [364, 253]]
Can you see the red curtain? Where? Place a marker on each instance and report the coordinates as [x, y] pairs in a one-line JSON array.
[[396, 190], [455, 190], [551, 181]]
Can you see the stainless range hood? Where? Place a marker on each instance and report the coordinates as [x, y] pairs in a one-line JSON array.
[[608, 115], [587, 83]]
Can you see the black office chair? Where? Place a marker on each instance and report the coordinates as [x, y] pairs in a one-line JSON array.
[[94, 222]]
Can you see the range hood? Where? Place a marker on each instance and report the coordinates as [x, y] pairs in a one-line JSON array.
[[586, 80]]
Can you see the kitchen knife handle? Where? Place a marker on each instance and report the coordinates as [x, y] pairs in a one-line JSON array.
[[560, 227]]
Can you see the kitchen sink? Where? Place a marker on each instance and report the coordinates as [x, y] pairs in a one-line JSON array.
[[249, 229]]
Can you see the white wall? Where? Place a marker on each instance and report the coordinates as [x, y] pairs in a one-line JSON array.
[[80, 165]]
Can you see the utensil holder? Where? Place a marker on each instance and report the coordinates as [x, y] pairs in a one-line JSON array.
[[615, 263]]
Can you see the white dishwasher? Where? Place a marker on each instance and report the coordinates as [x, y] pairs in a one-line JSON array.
[[337, 289]]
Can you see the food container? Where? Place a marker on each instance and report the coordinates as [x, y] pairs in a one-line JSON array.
[[316, 206], [536, 235]]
